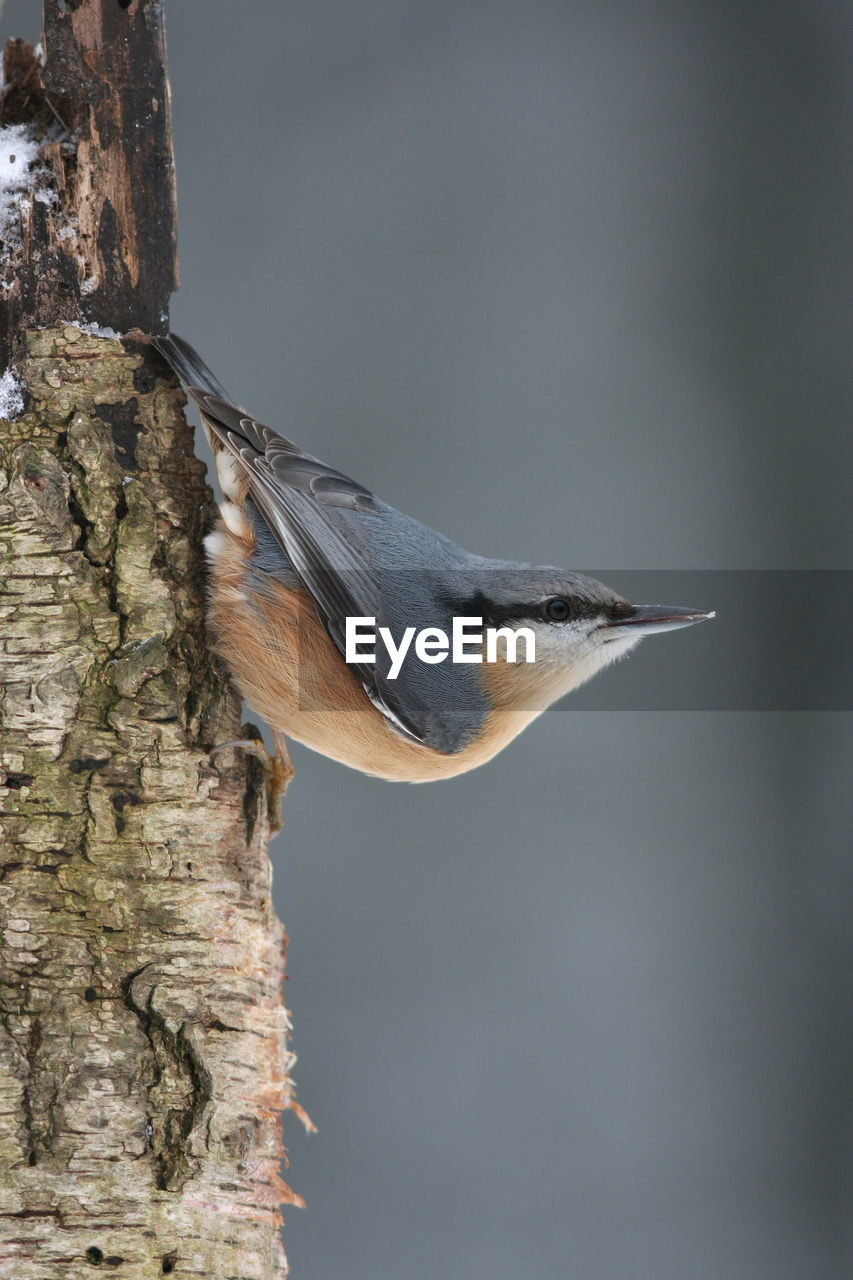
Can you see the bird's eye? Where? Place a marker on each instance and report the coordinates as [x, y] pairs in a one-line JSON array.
[[557, 610]]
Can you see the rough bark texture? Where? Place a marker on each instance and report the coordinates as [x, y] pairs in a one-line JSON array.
[[97, 237], [143, 1057], [142, 1034]]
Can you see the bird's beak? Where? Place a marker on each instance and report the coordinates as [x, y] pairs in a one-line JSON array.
[[645, 619]]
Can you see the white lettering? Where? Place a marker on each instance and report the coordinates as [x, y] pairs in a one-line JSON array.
[[511, 639], [355, 635], [396, 655], [431, 645], [461, 638]]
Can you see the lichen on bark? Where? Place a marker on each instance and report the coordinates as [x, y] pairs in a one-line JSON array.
[[143, 1056]]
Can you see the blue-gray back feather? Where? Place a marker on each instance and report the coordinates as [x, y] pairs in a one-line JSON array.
[[358, 557]]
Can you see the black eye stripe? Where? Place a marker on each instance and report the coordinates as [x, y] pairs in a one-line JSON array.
[[498, 615], [524, 612]]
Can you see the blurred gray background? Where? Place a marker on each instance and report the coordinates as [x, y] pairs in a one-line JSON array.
[[572, 283]]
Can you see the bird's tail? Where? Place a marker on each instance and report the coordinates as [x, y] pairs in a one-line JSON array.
[[188, 365]]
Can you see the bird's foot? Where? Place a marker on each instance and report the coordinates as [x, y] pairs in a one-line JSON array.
[[278, 767]]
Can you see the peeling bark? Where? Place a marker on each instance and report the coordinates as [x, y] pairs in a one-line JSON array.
[[143, 1055], [97, 238]]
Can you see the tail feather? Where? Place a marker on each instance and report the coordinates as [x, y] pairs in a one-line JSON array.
[[188, 365]]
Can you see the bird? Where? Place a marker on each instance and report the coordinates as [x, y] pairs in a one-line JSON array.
[[334, 612]]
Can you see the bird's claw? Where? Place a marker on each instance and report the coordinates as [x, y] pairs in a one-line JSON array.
[[278, 766]]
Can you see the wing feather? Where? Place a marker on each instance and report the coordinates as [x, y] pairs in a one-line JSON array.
[[318, 516]]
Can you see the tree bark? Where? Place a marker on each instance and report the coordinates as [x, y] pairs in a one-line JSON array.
[[98, 238], [143, 1057]]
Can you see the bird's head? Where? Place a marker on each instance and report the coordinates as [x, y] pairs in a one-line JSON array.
[[579, 626]]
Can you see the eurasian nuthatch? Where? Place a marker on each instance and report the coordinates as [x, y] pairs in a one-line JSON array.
[[300, 549]]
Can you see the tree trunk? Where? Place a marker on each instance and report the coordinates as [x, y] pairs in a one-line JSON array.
[[143, 1059]]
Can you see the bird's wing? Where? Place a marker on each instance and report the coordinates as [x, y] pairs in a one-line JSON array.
[[318, 517], [353, 553]]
